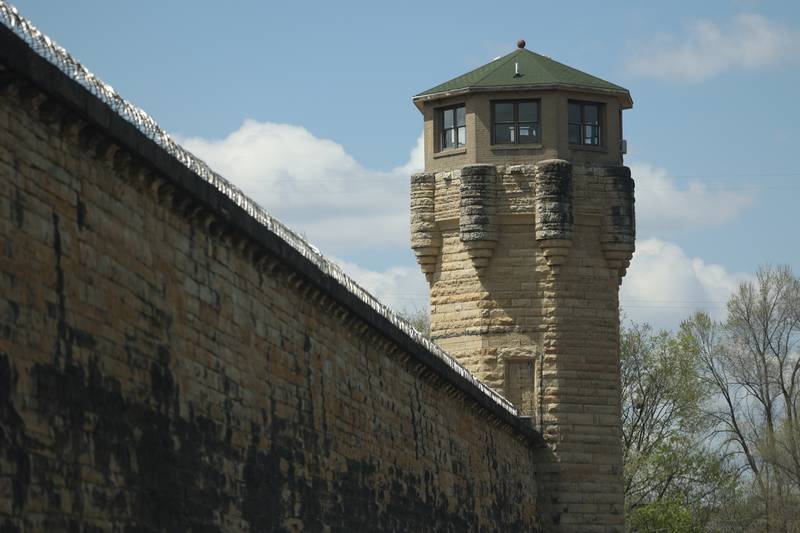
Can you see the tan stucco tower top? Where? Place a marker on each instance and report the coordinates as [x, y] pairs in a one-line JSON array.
[[523, 224], [521, 75]]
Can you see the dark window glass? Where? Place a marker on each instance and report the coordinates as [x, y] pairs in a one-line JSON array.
[[449, 138], [528, 132], [515, 122], [584, 123], [503, 113], [503, 133], [590, 114], [575, 134], [452, 127], [528, 112], [574, 112]]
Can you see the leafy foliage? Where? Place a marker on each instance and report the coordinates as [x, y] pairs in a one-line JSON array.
[[669, 466], [711, 431], [667, 515]]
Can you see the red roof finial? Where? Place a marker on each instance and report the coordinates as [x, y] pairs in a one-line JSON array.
[[521, 43]]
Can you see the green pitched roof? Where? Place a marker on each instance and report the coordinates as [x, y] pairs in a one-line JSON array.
[[534, 70]]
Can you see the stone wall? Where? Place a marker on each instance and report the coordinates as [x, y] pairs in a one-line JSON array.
[[168, 364]]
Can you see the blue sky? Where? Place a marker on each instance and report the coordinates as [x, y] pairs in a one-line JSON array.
[[307, 106]]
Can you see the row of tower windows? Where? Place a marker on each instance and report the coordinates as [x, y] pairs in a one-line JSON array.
[[517, 122]]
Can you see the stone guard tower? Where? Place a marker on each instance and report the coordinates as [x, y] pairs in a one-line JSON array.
[[523, 223]]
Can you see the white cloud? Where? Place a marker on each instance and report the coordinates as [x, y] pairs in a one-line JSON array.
[[416, 159], [662, 205], [314, 185], [318, 189], [401, 288], [750, 41], [664, 286]]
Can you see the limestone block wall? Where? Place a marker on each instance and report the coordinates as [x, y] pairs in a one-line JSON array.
[[168, 364], [426, 239], [539, 318]]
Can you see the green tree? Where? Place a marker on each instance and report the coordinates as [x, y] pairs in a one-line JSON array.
[[671, 472], [667, 515]]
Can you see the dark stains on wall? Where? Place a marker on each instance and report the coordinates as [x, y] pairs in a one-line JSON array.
[[18, 208], [261, 501], [165, 391], [169, 470], [80, 213], [8, 318], [167, 463], [12, 437], [63, 345]]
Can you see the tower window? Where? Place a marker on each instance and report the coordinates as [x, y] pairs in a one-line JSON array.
[[515, 122], [584, 123], [453, 127]]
